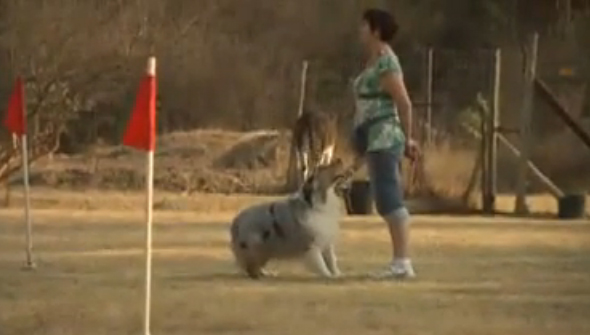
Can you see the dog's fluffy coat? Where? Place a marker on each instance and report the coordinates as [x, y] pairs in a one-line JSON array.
[[303, 225]]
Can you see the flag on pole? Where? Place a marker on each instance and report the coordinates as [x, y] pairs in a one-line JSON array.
[[141, 134], [14, 119], [141, 129]]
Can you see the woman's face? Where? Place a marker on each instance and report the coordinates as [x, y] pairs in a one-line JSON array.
[[366, 35]]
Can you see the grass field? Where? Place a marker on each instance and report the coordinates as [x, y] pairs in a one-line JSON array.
[[475, 276]]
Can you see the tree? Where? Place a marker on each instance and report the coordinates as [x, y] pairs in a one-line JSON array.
[[69, 55]]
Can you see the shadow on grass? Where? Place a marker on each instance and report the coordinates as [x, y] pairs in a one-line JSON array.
[[121, 228], [279, 279], [476, 223]]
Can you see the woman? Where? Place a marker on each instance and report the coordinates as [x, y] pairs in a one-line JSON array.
[[382, 132]]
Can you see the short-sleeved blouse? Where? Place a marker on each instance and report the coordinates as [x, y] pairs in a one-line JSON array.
[[372, 101]]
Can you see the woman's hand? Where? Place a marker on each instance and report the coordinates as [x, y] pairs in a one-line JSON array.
[[412, 150]]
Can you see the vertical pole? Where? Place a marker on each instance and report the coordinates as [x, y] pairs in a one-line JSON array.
[[302, 88], [293, 176], [568, 16], [148, 253], [151, 71], [495, 128], [484, 115], [429, 92], [520, 206], [492, 145], [29, 228]]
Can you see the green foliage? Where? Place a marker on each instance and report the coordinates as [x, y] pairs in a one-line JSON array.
[[470, 116]]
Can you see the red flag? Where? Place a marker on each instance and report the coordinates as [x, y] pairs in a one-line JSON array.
[[141, 129], [15, 119]]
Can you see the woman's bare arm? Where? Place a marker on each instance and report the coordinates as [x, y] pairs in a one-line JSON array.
[[393, 83]]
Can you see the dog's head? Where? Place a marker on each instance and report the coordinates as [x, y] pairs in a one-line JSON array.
[[321, 182]]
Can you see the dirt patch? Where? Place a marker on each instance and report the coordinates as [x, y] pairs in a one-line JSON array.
[[253, 151], [211, 161]]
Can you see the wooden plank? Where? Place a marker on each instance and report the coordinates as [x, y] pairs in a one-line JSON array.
[[544, 92], [541, 177]]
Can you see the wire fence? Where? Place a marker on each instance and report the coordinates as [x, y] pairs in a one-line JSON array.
[[444, 85]]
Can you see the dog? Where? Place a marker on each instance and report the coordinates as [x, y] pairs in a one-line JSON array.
[[303, 225]]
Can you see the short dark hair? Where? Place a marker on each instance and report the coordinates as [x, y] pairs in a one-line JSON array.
[[382, 22]]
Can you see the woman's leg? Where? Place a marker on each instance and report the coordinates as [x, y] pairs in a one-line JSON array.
[[384, 173]]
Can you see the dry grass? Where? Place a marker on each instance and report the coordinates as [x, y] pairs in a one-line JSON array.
[[96, 200], [448, 170], [476, 276]]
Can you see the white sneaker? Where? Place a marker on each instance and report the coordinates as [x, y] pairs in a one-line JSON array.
[[397, 270]]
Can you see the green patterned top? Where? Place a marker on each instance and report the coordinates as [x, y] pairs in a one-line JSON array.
[[372, 101]]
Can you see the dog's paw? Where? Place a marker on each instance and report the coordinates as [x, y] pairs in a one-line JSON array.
[[330, 275], [336, 274]]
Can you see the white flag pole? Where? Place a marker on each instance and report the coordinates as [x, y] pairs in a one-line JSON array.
[[151, 70], [29, 228]]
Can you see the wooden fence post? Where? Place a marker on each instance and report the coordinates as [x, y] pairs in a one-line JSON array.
[[429, 92], [520, 206], [484, 125], [493, 123]]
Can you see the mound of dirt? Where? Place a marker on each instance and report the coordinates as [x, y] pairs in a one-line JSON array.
[[253, 151], [213, 161]]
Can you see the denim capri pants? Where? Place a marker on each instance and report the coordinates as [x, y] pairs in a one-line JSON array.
[[385, 178]]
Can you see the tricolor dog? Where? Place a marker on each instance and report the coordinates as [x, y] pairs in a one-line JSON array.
[[303, 225]]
